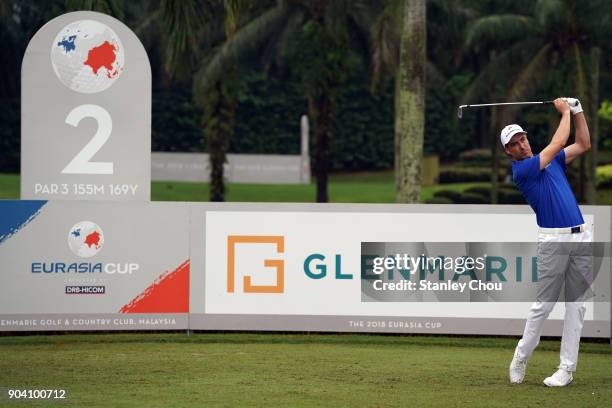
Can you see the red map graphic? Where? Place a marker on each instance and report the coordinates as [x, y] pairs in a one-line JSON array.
[[102, 56], [93, 239], [168, 294]]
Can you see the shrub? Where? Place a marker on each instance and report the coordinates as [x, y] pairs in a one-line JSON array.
[[479, 190], [10, 135], [507, 196], [439, 200], [470, 198], [467, 174], [604, 176], [476, 156], [451, 195]]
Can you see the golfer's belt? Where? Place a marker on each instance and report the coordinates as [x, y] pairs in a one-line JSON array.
[[569, 230]]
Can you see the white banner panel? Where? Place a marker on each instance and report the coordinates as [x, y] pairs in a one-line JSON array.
[[68, 265], [291, 262]]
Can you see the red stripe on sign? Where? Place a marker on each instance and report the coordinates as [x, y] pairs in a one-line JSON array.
[[168, 294]]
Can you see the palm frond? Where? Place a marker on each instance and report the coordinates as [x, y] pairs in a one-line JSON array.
[[111, 7], [525, 82], [550, 13], [276, 52], [363, 13], [245, 42], [502, 66], [149, 20], [181, 21], [498, 29], [233, 10], [454, 9], [384, 44], [595, 18]]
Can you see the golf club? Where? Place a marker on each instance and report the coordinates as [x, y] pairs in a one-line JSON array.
[[461, 107]]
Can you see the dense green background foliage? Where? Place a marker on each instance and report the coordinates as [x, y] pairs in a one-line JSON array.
[[270, 98]]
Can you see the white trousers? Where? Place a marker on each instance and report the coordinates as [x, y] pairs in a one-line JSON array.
[[563, 260]]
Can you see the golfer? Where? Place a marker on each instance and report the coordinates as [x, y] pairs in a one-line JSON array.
[[564, 249]]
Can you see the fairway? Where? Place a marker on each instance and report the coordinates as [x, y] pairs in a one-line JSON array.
[[177, 370], [363, 187]]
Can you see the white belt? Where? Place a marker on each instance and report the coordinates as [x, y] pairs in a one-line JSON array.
[[569, 230]]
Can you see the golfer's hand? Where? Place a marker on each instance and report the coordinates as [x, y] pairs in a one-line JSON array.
[[561, 106], [575, 106]]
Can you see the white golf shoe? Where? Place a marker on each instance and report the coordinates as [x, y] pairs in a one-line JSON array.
[[560, 378], [517, 370]]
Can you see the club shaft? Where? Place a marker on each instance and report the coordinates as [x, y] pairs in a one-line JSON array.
[[507, 103], [461, 107]]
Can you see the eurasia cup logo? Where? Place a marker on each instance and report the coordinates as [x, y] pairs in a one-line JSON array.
[[85, 239], [87, 56]]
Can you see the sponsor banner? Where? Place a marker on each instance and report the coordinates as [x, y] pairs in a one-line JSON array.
[[386, 324], [220, 266], [85, 259], [304, 260], [85, 112], [93, 321]]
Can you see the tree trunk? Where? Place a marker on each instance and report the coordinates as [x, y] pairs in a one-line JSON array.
[[410, 102], [496, 120], [320, 111], [591, 179], [218, 123]]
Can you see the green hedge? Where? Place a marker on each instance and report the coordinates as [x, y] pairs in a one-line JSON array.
[[268, 121], [176, 122], [604, 176], [507, 194], [470, 198], [10, 136], [476, 157], [480, 190], [458, 174], [269, 111], [439, 200], [451, 195]]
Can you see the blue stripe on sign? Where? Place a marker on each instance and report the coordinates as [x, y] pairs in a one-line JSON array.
[[14, 215]]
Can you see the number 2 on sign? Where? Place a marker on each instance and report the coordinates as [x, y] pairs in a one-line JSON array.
[[81, 163]]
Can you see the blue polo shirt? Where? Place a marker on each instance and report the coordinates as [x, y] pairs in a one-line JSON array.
[[547, 191]]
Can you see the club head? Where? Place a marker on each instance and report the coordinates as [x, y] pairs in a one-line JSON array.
[[460, 111]]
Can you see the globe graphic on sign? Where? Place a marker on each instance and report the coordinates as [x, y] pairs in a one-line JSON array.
[[87, 56], [85, 239]]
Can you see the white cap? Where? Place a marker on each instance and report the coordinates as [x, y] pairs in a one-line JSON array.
[[508, 132]]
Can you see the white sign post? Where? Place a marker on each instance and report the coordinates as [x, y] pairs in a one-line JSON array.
[[85, 112]]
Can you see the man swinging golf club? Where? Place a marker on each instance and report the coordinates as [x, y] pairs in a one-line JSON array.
[[541, 179]]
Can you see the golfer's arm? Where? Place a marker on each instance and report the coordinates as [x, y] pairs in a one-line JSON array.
[[583, 139], [558, 141]]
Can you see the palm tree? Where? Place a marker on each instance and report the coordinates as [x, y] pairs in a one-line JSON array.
[[410, 102], [319, 28], [387, 33], [187, 40], [528, 48]]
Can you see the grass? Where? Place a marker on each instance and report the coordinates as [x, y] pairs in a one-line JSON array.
[[365, 187], [296, 370], [9, 186]]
